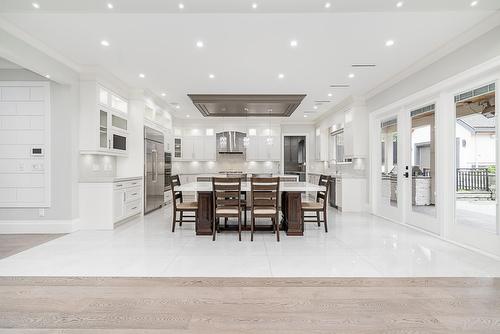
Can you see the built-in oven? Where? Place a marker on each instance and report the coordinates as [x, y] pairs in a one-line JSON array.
[[168, 170]]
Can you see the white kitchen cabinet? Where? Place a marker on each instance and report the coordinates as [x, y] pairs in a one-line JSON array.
[[188, 148], [264, 148], [321, 145], [127, 198], [104, 204], [103, 121], [198, 148], [356, 132], [253, 148]]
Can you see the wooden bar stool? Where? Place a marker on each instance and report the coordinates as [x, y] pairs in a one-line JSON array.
[[321, 204], [265, 196], [227, 201], [181, 206]]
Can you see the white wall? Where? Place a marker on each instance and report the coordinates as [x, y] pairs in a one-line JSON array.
[[474, 53], [64, 151], [62, 214]]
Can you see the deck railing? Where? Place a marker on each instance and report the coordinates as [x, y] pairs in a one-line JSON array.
[[472, 179]]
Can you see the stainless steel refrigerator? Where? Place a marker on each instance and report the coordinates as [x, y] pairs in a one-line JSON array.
[[154, 169]]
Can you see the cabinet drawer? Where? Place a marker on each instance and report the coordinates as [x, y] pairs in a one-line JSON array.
[[132, 194], [127, 184], [132, 208]]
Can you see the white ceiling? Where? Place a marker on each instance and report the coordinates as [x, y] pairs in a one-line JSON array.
[[242, 6], [246, 52]]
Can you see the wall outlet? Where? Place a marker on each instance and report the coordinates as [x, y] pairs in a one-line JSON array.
[[41, 213]]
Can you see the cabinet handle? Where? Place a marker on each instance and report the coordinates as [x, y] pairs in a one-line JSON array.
[[119, 185], [134, 194], [134, 208]]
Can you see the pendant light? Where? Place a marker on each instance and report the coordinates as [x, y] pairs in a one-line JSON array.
[[223, 138], [246, 139], [269, 139]]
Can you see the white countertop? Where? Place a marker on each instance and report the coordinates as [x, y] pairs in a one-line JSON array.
[[109, 179], [245, 186]]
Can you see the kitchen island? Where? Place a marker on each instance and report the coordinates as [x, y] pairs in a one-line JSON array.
[[290, 204]]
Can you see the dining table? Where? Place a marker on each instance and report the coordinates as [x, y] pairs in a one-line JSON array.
[[291, 204]]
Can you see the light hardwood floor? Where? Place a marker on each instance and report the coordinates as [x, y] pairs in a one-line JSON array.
[[253, 305], [11, 244]]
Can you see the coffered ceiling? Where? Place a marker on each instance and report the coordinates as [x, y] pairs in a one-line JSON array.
[[237, 105], [227, 47]]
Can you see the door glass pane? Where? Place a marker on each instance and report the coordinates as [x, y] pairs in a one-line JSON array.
[[119, 122], [423, 162], [103, 129], [475, 171], [389, 162]]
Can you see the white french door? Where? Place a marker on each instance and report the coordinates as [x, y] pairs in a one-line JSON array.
[[405, 160]]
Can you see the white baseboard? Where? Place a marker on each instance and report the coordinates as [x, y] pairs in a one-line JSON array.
[[38, 226]]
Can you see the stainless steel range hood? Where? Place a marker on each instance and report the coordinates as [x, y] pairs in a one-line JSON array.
[[231, 142]]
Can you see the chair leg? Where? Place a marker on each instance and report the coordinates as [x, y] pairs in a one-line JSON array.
[[252, 226], [277, 228], [325, 217], [225, 222], [274, 225], [182, 217], [245, 216], [239, 227], [214, 228], [174, 214], [318, 219]]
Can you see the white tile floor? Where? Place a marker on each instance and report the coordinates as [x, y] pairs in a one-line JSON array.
[[358, 245]]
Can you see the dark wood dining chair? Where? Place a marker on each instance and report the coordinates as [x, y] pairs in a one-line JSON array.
[[265, 199], [178, 204], [226, 201], [320, 205]]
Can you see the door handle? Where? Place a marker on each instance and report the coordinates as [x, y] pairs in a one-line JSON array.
[[406, 174]]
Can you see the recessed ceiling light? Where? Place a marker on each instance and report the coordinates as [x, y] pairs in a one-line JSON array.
[[177, 107], [389, 43], [104, 42], [400, 4], [163, 94], [200, 44], [281, 76], [47, 76], [328, 5], [294, 43], [315, 107], [211, 76], [351, 75], [474, 3], [110, 6], [142, 75], [305, 116], [330, 94], [255, 5], [36, 5], [187, 116], [181, 6]]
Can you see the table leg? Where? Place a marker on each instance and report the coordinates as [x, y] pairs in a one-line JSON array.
[[292, 213], [205, 213]]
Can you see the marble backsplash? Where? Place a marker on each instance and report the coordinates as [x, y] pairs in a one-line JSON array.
[[228, 164], [358, 168]]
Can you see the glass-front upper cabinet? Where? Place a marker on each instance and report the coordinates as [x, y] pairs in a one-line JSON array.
[[103, 129], [112, 100]]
